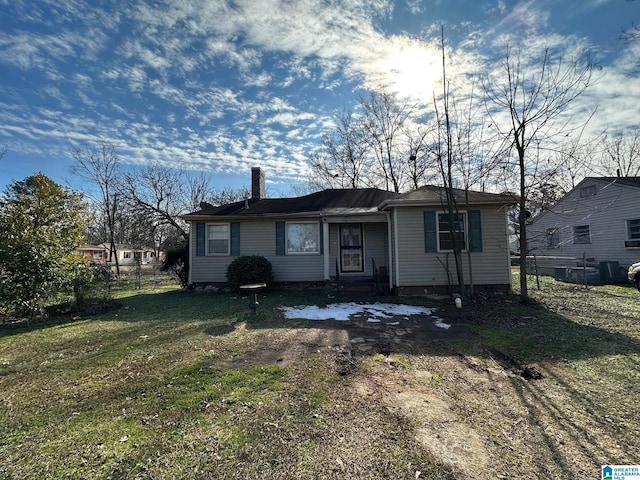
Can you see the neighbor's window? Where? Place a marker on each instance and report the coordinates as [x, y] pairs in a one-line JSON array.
[[553, 238], [126, 255], [303, 237], [581, 234], [446, 231], [97, 255], [587, 191], [218, 242], [633, 229]]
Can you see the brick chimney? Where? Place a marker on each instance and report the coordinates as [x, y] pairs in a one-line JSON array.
[[257, 184]]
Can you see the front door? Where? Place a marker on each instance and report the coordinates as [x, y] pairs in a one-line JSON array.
[[351, 251]]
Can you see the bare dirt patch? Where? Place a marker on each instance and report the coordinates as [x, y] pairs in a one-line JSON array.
[[479, 412]]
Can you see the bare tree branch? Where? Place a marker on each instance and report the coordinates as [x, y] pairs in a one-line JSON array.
[[526, 103]]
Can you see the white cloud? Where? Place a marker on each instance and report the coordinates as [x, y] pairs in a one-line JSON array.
[[220, 84]]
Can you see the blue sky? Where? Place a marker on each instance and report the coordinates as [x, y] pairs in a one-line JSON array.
[[224, 85]]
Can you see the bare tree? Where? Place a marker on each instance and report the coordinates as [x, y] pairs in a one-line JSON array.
[[383, 146], [575, 160], [421, 165], [630, 34], [344, 162], [526, 104], [162, 194], [621, 154], [445, 155], [384, 121], [99, 166]]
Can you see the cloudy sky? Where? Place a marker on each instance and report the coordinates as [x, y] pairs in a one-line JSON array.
[[224, 85]]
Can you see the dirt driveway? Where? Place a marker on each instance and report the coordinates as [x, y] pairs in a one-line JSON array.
[[478, 412]]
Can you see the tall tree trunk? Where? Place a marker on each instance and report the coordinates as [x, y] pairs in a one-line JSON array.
[[522, 221]]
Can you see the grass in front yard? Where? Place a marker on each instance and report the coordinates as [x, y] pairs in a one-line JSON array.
[[176, 384], [586, 344], [179, 384]]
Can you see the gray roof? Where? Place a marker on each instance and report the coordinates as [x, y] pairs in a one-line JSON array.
[[437, 196], [628, 181], [335, 200], [349, 201]]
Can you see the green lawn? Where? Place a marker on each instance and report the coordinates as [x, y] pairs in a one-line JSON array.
[[168, 386], [178, 384]]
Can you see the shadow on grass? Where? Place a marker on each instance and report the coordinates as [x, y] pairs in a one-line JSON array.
[[527, 333], [149, 328]]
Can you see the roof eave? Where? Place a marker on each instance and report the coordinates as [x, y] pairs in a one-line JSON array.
[[423, 203]]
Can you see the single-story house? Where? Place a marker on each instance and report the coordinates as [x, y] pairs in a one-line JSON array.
[[598, 220], [354, 233], [127, 255], [94, 253]]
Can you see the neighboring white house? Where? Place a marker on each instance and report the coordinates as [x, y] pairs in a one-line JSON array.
[[598, 220], [127, 255]]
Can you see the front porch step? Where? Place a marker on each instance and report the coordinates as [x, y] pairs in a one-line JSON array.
[[360, 287]]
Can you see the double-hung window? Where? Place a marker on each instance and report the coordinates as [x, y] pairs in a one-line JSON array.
[[581, 234], [633, 229], [303, 237], [448, 230], [218, 239]]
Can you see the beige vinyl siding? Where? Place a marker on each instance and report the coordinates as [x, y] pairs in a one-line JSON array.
[[606, 213], [257, 237], [376, 245], [417, 268]]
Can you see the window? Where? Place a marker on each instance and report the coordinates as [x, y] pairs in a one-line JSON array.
[[303, 237], [98, 255], [126, 255], [553, 238], [587, 191], [446, 231], [581, 234], [633, 229], [218, 235]]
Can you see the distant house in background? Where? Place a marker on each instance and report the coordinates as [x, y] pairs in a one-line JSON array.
[[355, 233], [127, 255], [95, 253], [598, 220]]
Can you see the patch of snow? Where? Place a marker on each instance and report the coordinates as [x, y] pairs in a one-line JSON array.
[[394, 323], [342, 311], [440, 324], [373, 320]]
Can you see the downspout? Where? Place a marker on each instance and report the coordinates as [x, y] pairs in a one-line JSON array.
[[395, 247], [389, 240], [325, 250], [190, 245]]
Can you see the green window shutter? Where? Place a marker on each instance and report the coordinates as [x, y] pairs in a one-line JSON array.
[[235, 238], [430, 232], [200, 239], [475, 231], [321, 238], [280, 239]]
